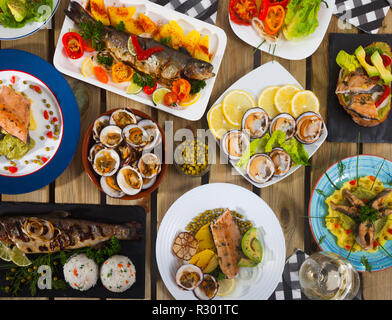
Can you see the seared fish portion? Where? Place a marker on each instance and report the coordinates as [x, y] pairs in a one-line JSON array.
[[46, 234], [164, 66], [227, 238], [358, 82]]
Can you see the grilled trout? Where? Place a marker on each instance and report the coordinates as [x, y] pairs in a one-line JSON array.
[[56, 232], [164, 66]]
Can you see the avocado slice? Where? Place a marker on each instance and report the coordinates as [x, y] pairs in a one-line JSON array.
[[251, 246], [372, 71], [18, 9], [377, 61], [244, 262]]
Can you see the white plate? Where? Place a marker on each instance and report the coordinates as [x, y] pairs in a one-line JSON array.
[[269, 74], [28, 29], [157, 13], [291, 50], [23, 81], [223, 195]]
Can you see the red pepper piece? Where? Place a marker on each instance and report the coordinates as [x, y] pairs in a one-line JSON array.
[[386, 60], [385, 95], [44, 159], [46, 115], [348, 247], [55, 119], [37, 89], [348, 231], [390, 231], [73, 45], [353, 182], [144, 54], [13, 79], [336, 226], [375, 244], [50, 134], [12, 169]]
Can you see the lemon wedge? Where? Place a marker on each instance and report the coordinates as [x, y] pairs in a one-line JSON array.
[[134, 88], [304, 101], [267, 101], [284, 96], [19, 258], [5, 252], [226, 286], [235, 104], [217, 122], [192, 98], [88, 67], [158, 95]]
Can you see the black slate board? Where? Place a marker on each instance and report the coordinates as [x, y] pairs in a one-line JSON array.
[[341, 128], [135, 250]]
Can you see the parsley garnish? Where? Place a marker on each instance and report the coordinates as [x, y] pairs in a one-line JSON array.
[[94, 32], [143, 80], [120, 26], [166, 41], [197, 86], [105, 60], [367, 213]]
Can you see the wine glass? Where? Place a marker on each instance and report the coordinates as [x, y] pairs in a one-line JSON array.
[[328, 276]]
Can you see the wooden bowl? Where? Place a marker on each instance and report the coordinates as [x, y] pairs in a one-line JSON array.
[[88, 142]]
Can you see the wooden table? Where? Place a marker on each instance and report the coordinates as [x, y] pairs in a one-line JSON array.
[[288, 199]]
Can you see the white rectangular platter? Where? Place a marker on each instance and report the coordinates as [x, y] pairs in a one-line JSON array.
[[269, 74], [217, 40]]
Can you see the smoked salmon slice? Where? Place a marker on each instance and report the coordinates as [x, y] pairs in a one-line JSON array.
[[227, 238], [14, 113]]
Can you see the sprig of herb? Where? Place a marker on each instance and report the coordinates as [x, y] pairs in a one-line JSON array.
[[366, 264], [378, 172], [321, 239], [358, 147], [341, 168], [255, 50], [94, 32], [321, 192], [351, 249], [197, 85]]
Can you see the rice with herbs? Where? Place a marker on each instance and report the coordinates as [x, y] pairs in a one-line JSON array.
[[80, 272], [118, 273]]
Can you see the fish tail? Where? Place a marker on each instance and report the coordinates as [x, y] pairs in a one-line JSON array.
[[77, 13]]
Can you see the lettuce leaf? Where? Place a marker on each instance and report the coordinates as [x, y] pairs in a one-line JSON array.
[[301, 18], [256, 146]]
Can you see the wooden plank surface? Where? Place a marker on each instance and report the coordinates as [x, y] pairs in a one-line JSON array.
[[288, 199]]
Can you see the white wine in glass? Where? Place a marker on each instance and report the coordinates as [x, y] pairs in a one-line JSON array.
[[328, 276]]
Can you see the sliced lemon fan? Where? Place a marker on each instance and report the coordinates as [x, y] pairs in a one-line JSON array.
[[267, 101], [226, 286], [284, 96], [304, 101], [235, 104], [185, 246], [217, 122]]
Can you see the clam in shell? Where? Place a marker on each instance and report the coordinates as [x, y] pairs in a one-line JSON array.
[[111, 188], [310, 126], [153, 133], [207, 289], [106, 162], [122, 118], [135, 136], [255, 122], [284, 122], [149, 165], [260, 168], [234, 143], [98, 125], [94, 150], [189, 277], [282, 161], [111, 136], [129, 180]]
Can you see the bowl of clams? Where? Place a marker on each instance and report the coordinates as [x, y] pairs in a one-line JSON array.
[[123, 153]]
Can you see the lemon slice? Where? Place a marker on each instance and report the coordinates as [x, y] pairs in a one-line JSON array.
[[158, 95], [133, 88], [4, 252], [267, 101], [235, 104], [19, 258], [226, 286], [304, 101], [88, 68], [217, 122], [192, 98], [284, 96]]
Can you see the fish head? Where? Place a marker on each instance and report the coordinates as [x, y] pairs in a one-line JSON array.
[[198, 70]]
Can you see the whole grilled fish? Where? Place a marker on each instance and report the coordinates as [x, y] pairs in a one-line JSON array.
[[164, 66], [56, 232]]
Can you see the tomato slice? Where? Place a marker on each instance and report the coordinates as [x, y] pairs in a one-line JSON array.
[[73, 45]]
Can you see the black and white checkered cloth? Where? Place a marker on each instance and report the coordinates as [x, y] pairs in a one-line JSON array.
[[367, 15], [200, 9], [289, 288]]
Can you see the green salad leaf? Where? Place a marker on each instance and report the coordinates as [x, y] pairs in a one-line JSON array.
[[17, 13], [293, 147], [301, 18]]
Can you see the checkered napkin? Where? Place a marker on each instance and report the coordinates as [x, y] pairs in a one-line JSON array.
[[367, 15], [200, 9], [289, 287]]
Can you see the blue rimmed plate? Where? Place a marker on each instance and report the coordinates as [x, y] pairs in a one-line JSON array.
[[367, 165], [56, 114], [31, 27]]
